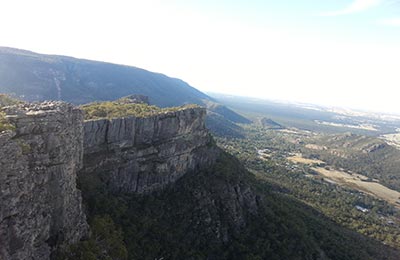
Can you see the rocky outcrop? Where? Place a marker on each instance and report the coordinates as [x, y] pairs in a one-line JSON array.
[[374, 147], [40, 205], [224, 209], [140, 155], [135, 99]]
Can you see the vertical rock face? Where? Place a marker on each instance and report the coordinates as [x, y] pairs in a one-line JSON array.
[[40, 206], [140, 155]]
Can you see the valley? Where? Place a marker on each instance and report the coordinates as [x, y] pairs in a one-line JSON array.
[[188, 177], [351, 180], [360, 183], [200, 130], [343, 163], [325, 171]]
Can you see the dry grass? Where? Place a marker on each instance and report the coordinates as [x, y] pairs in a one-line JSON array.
[[352, 180], [357, 181], [298, 158]]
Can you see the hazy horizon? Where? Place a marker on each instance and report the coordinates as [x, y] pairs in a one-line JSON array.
[[343, 54]]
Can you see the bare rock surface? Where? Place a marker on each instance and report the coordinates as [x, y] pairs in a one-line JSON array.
[[40, 205], [140, 155]]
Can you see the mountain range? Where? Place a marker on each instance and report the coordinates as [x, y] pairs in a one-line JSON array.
[[149, 187], [37, 77]]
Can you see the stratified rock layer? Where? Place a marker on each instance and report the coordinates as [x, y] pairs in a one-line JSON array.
[[40, 206], [140, 155]]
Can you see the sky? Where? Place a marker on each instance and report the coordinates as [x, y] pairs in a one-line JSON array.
[[332, 52]]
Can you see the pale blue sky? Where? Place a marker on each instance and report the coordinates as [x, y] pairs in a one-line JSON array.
[[332, 52], [318, 18]]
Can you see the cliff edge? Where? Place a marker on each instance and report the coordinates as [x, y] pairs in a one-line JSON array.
[[143, 154], [40, 205], [47, 145]]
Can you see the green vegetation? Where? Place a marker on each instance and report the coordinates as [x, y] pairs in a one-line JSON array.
[[369, 156], [297, 217], [6, 101], [117, 109], [225, 112], [201, 217], [105, 243], [306, 117], [87, 81], [338, 203], [25, 147], [4, 123], [220, 126]]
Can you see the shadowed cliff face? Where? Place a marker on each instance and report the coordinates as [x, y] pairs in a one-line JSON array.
[[214, 209], [40, 206], [139, 155]]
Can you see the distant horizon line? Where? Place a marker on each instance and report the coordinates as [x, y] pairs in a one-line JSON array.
[[207, 92], [305, 103]]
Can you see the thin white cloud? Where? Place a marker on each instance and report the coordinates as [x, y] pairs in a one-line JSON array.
[[391, 22], [355, 7]]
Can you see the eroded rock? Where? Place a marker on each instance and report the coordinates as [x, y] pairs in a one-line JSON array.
[[140, 155], [40, 205]]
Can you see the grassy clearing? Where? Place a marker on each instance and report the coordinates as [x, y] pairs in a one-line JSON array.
[[299, 159], [361, 183], [352, 180]]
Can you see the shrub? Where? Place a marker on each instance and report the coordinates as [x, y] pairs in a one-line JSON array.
[[4, 123], [5, 100], [105, 243], [116, 109]]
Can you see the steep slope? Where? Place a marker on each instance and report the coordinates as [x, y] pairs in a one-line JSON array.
[[220, 126], [49, 77], [175, 195], [154, 186], [226, 112], [140, 155], [37, 77], [40, 205], [269, 123], [223, 212]]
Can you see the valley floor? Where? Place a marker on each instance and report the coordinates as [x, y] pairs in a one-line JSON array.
[[295, 161]]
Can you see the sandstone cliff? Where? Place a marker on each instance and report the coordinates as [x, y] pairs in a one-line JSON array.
[[140, 155], [40, 206], [215, 210]]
